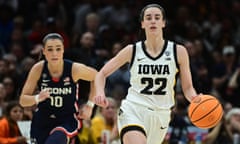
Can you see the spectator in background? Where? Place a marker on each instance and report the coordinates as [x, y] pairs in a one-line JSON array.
[[54, 9], [19, 40], [85, 135], [18, 51], [53, 25], [35, 53], [36, 32], [104, 42], [6, 26], [91, 24], [179, 24], [11, 67], [222, 72], [83, 50], [212, 28], [233, 119], [3, 68], [224, 132], [116, 15], [105, 119], [82, 9], [3, 102], [233, 88], [9, 130], [118, 93], [11, 88]]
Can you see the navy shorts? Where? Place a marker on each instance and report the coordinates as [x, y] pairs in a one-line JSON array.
[[42, 126]]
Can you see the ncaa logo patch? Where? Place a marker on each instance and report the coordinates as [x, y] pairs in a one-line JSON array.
[[167, 53]]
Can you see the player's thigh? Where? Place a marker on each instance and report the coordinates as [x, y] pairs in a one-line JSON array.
[[156, 125], [130, 115], [134, 136]]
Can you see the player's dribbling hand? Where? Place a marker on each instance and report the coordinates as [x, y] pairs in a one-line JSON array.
[[101, 101], [197, 98]]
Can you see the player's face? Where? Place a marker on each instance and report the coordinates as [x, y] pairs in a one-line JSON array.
[[153, 20], [53, 50]]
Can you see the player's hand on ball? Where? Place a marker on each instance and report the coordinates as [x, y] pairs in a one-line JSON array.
[[197, 98]]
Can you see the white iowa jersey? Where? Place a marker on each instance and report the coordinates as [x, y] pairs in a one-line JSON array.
[[153, 79]]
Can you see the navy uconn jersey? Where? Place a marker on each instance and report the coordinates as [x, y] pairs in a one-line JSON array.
[[153, 79], [63, 92]]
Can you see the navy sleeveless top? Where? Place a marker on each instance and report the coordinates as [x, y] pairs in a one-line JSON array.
[[63, 92]]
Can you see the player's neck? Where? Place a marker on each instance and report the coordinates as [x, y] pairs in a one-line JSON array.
[[154, 45], [56, 70]]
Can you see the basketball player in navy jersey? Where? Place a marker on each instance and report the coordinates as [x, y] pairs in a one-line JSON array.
[[154, 66], [56, 117]]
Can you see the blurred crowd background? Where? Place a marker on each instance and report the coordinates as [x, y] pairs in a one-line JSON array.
[[95, 30]]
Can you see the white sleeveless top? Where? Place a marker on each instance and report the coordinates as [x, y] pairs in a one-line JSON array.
[[153, 79]]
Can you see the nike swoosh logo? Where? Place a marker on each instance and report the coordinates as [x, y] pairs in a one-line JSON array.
[[52, 116], [139, 59], [163, 127], [67, 83], [46, 80]]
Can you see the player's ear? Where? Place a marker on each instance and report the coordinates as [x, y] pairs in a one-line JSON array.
[[142, 25], [43, 51], [165, 23]]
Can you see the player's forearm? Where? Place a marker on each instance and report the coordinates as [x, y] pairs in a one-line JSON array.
[[27, 100], [92, 92], [190, 93], [100, 82]]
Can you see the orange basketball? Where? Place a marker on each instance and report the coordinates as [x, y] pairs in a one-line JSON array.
[[205, 111]]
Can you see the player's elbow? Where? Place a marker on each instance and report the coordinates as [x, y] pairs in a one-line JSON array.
[[21, 102]]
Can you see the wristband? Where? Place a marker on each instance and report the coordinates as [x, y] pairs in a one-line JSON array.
[[90, 104], [37, 98]]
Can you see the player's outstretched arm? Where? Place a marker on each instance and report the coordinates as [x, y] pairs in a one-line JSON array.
[[111, 66]]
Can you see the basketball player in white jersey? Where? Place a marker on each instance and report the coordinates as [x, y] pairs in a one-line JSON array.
[[154, 66]]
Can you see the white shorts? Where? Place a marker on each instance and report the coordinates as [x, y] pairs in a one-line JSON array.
[[153, 123]]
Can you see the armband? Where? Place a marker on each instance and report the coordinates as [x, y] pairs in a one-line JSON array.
[[37, 98], [90, 104]]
